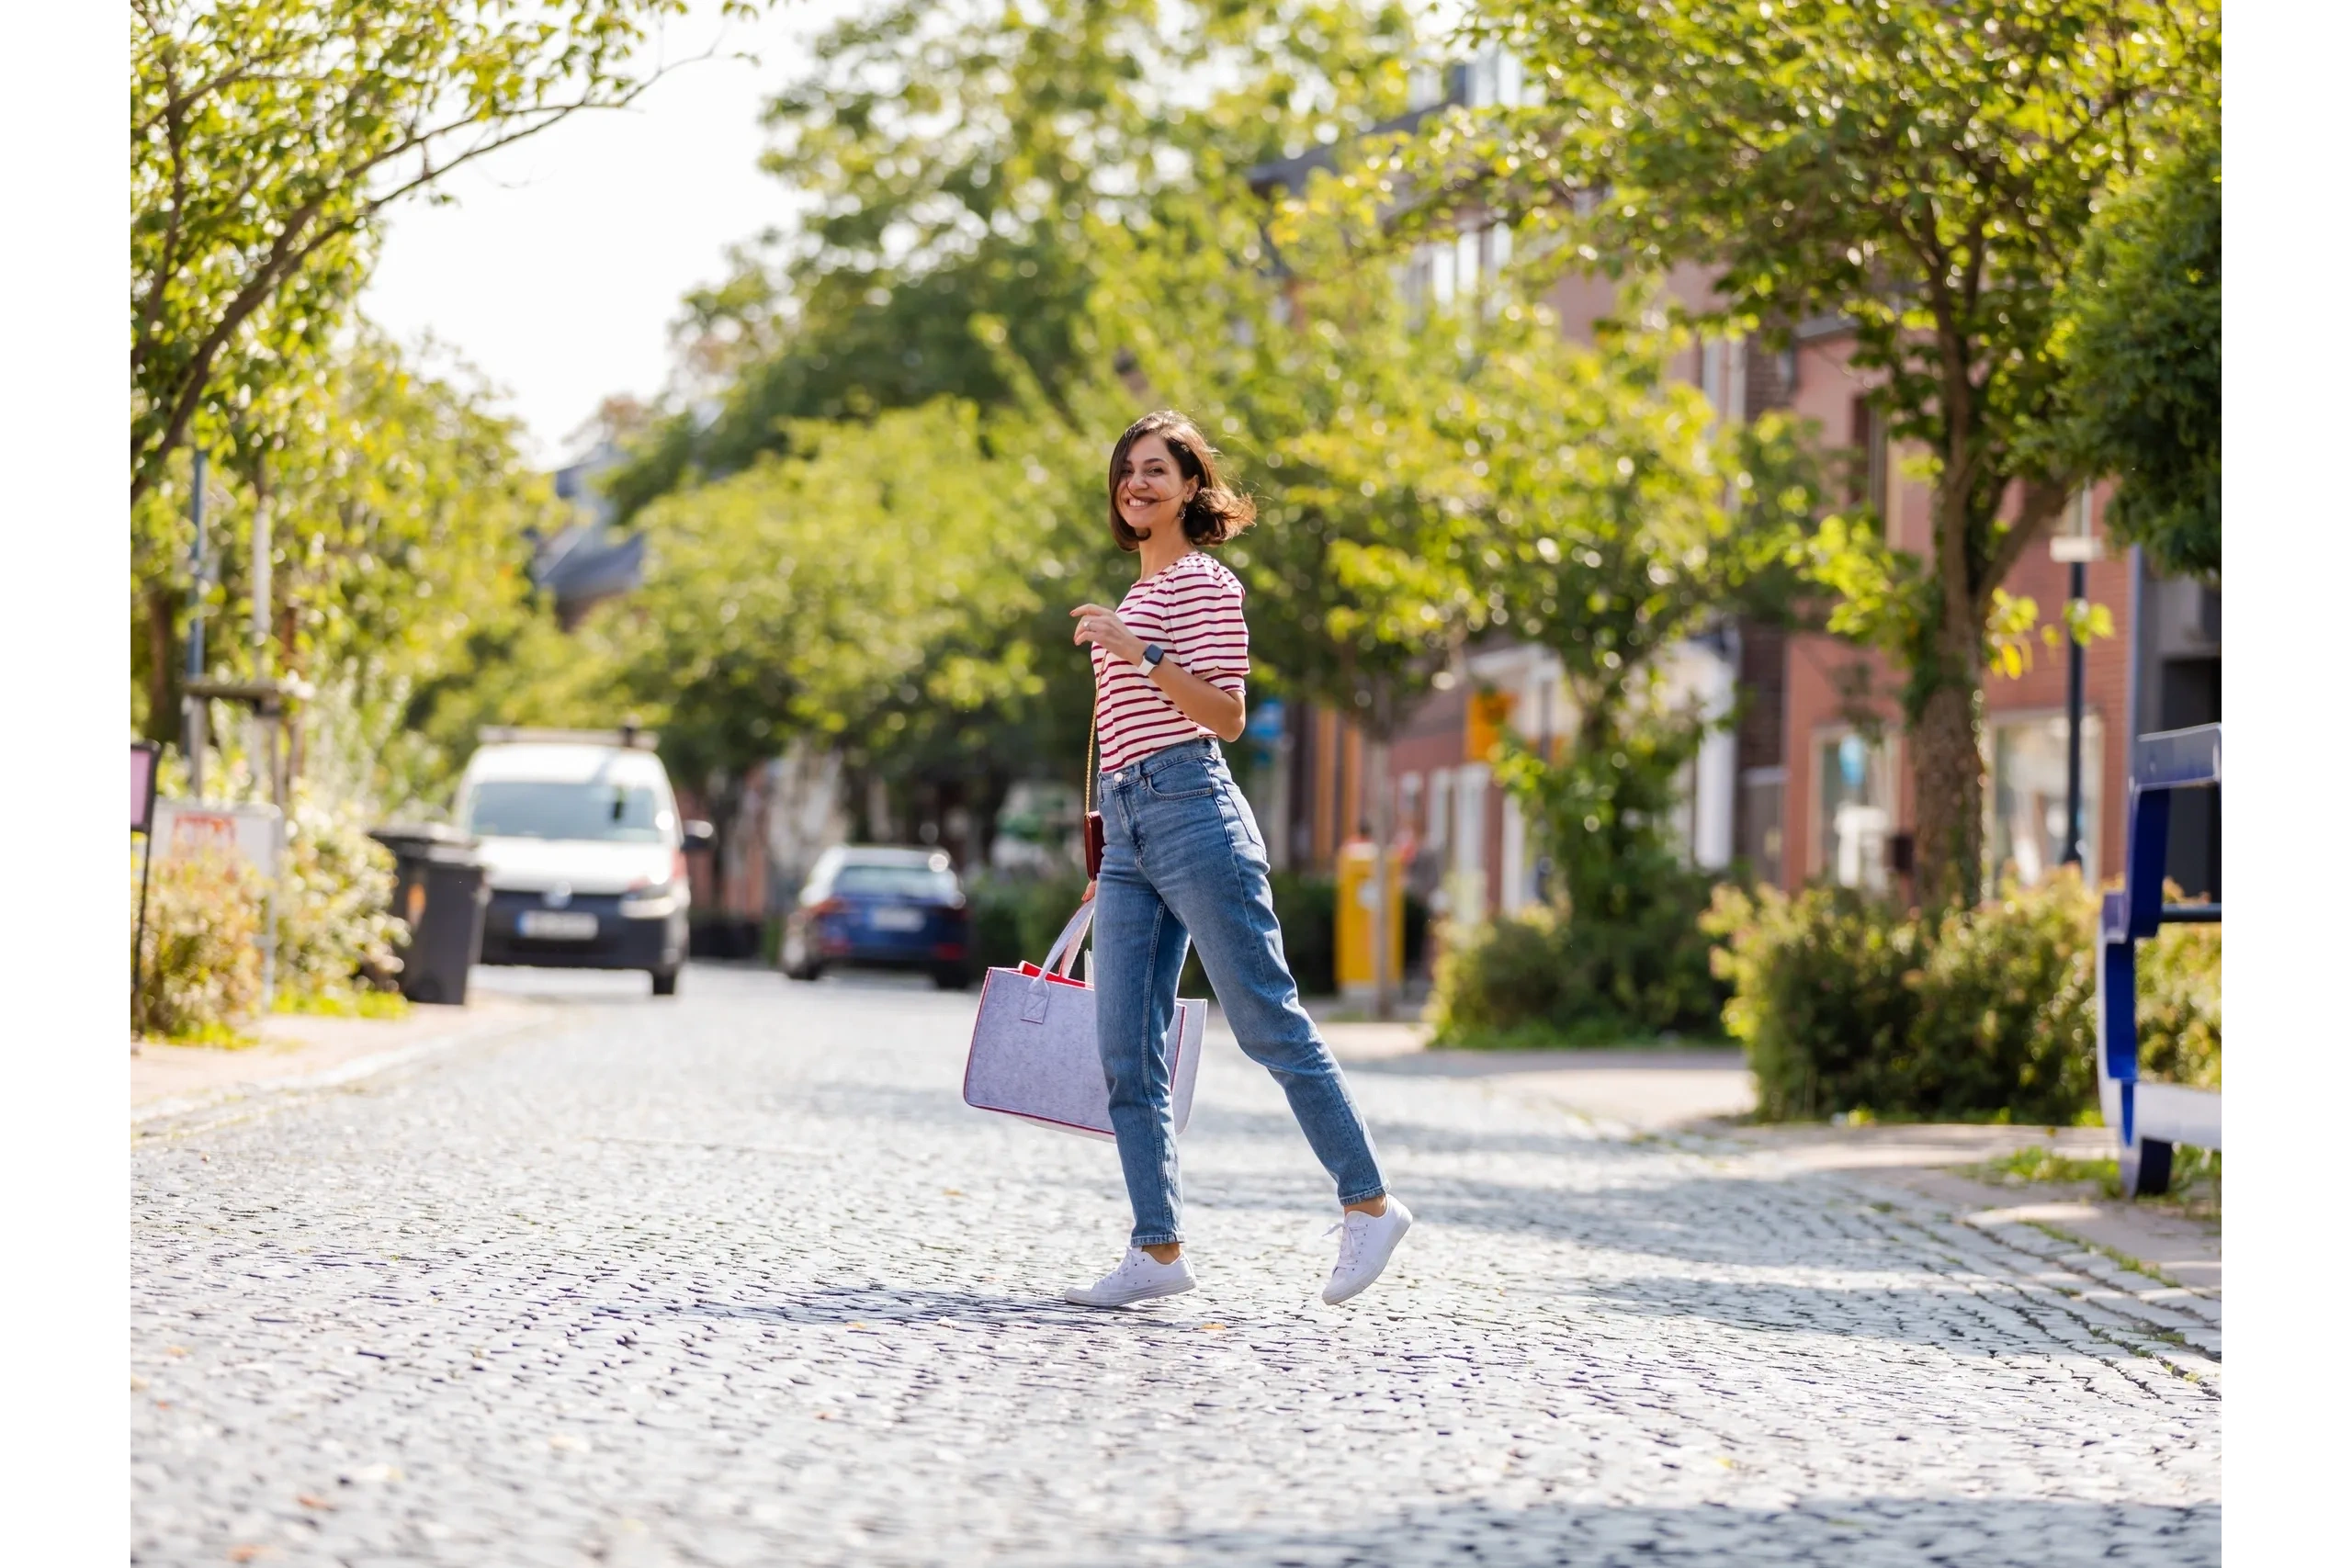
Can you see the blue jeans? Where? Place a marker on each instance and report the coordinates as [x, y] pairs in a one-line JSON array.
[[1183, 862]]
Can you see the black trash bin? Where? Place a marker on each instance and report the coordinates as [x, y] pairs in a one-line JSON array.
[[442, 895]]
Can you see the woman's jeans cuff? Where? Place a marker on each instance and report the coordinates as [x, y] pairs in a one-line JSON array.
[[1157, 1238], [1364, 1197]]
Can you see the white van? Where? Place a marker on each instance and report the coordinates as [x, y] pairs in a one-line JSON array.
[[582, 849]]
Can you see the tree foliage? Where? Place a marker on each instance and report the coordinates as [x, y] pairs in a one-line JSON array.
[[1324, 397], [988, 161], [2141, 345], [267, 139], [1629, 520], [992, 184], [869, 590], [399, 506], [1922, 170]]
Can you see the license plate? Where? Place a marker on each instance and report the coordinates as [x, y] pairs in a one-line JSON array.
[[567, 925], [898, 920]]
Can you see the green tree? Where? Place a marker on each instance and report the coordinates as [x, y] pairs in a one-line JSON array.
[[1923, 170], [269, 137], [1629, 519], [994, 162], [1325, 387], [868, 592], [978, 175], [1428, 476], [2141, 342], [398, 504]]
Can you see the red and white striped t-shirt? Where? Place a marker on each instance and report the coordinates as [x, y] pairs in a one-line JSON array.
[[1193, 610]]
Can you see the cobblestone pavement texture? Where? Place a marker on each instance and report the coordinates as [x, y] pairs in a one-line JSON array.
[[737, 1278]]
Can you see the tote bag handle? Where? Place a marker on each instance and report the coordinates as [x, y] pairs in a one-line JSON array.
[[1066, 946]]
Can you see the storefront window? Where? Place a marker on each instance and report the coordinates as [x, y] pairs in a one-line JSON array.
[[2024, 810], [1855, 788]]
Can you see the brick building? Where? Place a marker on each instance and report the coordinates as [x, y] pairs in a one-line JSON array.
[[1811, 780], [1808, 782]]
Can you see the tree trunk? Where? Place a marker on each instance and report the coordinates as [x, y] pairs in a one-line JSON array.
[[1948, 793], [1947, 765]]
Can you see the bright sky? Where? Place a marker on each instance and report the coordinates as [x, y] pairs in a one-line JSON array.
[[559, 266]]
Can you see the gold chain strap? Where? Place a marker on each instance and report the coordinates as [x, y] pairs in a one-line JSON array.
[[1093, 739]]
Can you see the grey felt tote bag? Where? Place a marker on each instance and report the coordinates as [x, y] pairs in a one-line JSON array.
[[1034, 1054]]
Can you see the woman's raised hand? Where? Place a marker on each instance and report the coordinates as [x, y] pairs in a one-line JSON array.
[[1103, 628]]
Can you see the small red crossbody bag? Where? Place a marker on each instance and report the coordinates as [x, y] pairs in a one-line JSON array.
[[1094, 817]]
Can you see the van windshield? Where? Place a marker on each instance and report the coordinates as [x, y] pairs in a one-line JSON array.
[[528, 809]]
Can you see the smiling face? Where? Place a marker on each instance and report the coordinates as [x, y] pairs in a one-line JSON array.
[[1150, 490]]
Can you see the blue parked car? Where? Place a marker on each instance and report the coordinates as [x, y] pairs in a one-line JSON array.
[[881, 908]]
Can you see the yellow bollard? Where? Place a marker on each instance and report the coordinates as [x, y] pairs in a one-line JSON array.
[[1353, 918]]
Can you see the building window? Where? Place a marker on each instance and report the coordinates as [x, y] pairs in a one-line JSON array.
[[2025, 811], [1854, 782]]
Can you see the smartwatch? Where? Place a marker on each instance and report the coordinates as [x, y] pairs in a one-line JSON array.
[[1152, 654]]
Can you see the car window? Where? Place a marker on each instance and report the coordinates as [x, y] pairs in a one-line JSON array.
[[895, 881], [530, 808]]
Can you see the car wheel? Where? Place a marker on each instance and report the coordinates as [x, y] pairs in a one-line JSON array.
[[666, 982], [952, 978]]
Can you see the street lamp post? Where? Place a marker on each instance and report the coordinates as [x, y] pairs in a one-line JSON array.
[[2076, 549], [2075, 590]]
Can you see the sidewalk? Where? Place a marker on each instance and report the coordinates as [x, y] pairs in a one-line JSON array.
[[2153, 1262], [299, 1052], [1639, 1090], [2170, 1262]]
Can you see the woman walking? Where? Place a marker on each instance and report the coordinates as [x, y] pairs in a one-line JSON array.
[[1183, 862]]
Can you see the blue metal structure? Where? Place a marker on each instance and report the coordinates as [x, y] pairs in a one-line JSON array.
[[2149, 1118]]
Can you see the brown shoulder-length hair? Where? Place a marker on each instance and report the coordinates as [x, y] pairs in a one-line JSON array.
[[1216, 512]]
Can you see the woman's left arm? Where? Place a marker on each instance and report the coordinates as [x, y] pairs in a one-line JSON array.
[[1215, 709]]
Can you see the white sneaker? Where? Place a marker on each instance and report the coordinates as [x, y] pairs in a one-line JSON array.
[[1138, 1277], [1365, 1243]]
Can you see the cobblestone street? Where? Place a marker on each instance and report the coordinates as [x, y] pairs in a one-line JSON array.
[[737, 1278]]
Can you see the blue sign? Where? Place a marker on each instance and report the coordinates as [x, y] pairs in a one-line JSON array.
[[1266, 722]]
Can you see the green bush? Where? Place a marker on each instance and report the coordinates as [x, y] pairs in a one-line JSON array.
[[1017, 918], [1546, 978], [1845, 1004], [1307, 907], [1818, 997], [200, 960], [337, 934], [2180, 1004], [1616, 955], [2006, 1011]]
